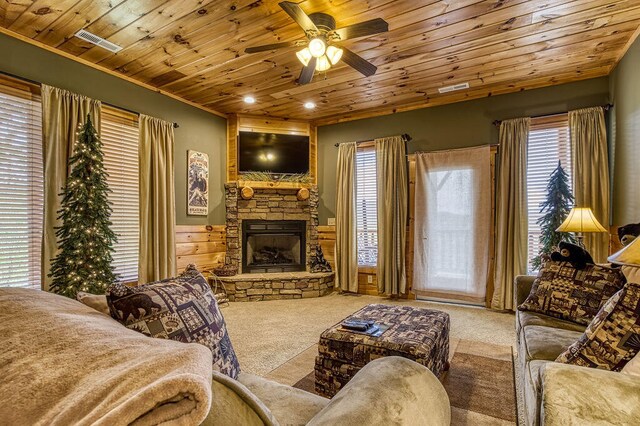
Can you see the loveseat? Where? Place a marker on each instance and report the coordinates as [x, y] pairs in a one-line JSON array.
[[561, 394], [63, 363]]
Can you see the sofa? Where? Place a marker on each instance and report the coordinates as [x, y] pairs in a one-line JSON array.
[[66, 363], [561, 394]]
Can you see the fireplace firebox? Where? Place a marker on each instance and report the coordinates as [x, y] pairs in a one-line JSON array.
[[273, 246]]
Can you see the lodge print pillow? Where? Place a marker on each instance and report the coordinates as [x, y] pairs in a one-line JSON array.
[[613, 337], [576, 295], [182, 309]]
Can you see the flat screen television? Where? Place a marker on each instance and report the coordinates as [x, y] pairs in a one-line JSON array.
[[273, 153]]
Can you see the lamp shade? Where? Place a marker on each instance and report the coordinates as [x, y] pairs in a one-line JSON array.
[[323, 64], [317, 47], [304, 56], [581, 219], [334, 54], [629, 255]]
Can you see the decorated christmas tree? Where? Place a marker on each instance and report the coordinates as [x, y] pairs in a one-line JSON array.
[[85, 236], [555, 208]]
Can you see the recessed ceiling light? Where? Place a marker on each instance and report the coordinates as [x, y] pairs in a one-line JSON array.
[[249, 100], [309, 105]]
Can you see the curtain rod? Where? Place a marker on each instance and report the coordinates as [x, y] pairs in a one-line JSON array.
[[490, 145], [175, 125], [605, 107], [37, 83], [405, 136]]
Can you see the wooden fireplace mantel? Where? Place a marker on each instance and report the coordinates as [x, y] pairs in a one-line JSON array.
[[272, 185]]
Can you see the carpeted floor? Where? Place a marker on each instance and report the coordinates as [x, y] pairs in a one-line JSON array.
[[267, 334]]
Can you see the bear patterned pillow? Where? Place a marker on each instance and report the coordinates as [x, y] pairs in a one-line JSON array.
[[182, 309], [571, 294], [613, 337]]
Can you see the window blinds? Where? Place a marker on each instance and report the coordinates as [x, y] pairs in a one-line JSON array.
[[21, 184], [366, 206], [119, 135], [549, 143]]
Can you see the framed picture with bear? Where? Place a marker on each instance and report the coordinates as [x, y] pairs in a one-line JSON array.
[[197, 183]]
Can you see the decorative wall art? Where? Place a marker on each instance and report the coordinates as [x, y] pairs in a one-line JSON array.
[[197, 183]]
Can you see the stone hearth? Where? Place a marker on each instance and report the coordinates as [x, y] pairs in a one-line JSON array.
[[272, 204], [274, 286]]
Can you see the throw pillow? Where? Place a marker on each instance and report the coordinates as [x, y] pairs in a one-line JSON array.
[[571, 294], [632, 273], [95, 301], [613, 337], [182, 308]]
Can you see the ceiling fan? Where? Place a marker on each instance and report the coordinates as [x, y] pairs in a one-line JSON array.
[[320, 51]]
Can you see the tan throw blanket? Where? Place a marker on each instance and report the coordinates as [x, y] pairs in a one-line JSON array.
[[62, 363]]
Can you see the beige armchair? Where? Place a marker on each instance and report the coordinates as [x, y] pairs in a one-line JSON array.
[[389, 390]]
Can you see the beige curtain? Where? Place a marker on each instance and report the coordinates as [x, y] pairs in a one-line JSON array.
[[392, 183], [591, 173], [511, 211], [346, 241], [452, 224], [62, 113], [157, 201]]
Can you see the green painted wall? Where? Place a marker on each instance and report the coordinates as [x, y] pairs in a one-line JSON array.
[[198, 129], [457, 125], [625, 132]]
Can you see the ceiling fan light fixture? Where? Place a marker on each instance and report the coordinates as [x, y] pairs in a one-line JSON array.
[[334, 54], [323, 64], [304, 56], [317, 47]]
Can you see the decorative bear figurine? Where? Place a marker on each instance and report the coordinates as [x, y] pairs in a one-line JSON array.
[[577, 256], [628, 233]]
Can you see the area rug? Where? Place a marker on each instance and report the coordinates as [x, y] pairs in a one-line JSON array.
[[480, 382]]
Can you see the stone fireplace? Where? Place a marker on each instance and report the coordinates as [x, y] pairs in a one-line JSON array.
[[273, 245], [271, 240]]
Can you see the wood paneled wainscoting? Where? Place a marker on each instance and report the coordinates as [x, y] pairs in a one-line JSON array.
[[203, 245]]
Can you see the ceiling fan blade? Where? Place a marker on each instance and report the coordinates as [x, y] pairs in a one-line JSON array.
[[307, 72], [273, 46], [298, 15], [362, 29], [358, 62]]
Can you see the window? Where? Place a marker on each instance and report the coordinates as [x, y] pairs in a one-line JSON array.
[[119, 135], [366, 206], [549, 143], [452, 202], [21, 184]]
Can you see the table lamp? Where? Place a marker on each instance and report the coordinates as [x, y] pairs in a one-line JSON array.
[[579, 220]]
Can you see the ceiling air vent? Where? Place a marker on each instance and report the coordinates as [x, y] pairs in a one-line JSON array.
[[453, 88], [98, 41]]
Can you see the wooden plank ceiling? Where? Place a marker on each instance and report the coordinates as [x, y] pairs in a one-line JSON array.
[[195, 48]]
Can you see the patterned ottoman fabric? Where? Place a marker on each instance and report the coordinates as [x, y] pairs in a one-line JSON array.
[[419, 334], [182, 309], [570, 294]]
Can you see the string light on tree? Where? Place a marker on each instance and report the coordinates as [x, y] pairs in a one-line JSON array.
[[85, 238]]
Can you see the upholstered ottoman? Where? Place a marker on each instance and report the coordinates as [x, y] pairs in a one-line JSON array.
[[419, 334]]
